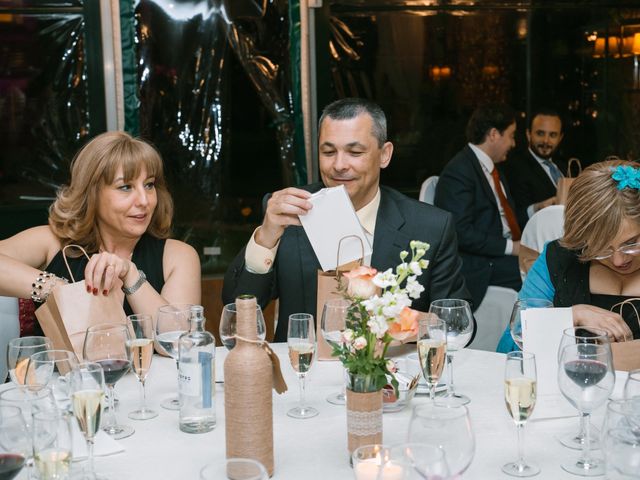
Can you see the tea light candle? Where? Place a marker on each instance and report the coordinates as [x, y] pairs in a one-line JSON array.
[[373, 470]]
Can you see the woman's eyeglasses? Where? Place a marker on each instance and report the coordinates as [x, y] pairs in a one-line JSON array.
[[631, 249]]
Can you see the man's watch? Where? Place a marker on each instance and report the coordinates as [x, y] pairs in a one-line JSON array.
[[134, 288]]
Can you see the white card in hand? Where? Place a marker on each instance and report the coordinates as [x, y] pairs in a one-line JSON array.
[[331, 219], [541, 334]]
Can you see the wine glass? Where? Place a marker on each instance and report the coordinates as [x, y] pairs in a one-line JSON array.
[[15, 441], [586, 379], [106, 345], [520, 380], [632, 385], [301, 339], [515, 322], [457, 316], [52, 445], [235, 468], [375, 462], [572, 336], [425, 461], [19, 351], [432, 346], [87, 393], [448, 428], [171, 322], [228, 325], [332, 324], [140, 346], [52, 368]]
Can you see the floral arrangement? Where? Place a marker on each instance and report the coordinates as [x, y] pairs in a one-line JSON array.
[[626, 176], [379, 313]]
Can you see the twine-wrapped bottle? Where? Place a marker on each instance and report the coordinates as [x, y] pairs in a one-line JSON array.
[[248, 379]]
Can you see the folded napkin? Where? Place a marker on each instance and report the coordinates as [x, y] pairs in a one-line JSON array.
[[104, 444]]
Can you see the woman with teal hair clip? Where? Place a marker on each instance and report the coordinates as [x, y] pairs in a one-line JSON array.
[[596, 264]]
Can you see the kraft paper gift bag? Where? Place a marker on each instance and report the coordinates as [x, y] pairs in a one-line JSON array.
[[626, 355], [69, 310], [565, 183]]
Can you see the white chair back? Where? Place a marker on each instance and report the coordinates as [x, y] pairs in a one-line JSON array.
[[492, 316], [543, 226], [9, 329], [428, 190]]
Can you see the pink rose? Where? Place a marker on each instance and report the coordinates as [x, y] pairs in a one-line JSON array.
[[361, 282], [359, 343]]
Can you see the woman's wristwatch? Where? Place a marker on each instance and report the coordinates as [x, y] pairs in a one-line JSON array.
[[134, 288]]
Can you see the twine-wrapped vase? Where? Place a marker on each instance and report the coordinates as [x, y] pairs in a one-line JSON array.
[[364, 412]]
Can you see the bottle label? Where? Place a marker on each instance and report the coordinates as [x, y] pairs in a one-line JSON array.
[[189, 376]]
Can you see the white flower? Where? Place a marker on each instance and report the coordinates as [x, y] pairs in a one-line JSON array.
[[359, 343], [403, 255], [424, 264], [420, 245], [391, 366], [347, 336], [385, 279], [415, 268], [378, 325], [402, 269], [413, 288], [373, 304]]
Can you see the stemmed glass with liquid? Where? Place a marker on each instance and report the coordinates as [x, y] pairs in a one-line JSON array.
[[15, 442], [140, 346], [19, 351], [332, 324], [520, 379], [171, 322], [515, 322], [572, 336], [228, 325], [87, 393], [586, 379], [432, 347], [457, 316], [106, 345], [52, 368], [301, 340], [52, 445]]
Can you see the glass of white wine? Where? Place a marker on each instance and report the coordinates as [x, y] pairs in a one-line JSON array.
[[301, 339], [87, 394], [52, 445], [140, 345], [520, 381], [432, 349]]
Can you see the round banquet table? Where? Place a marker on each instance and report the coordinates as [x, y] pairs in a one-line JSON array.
[[316, 448]]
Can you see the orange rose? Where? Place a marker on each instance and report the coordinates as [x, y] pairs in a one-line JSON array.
[[361, 282], [405, 326]]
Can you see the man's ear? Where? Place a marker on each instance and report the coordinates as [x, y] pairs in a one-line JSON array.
[[385, 156]]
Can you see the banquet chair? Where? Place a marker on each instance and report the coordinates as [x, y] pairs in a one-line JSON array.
[[428, 190], [9, 329], [492, 315], [544, 226]]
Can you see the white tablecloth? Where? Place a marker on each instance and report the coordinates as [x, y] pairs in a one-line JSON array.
[[316, 448]]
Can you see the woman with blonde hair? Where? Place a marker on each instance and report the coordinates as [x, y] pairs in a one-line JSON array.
[[596, 264], [118, 208]]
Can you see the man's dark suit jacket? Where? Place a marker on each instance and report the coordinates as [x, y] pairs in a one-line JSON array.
[[528, 181], [293, 278], [464, 191]]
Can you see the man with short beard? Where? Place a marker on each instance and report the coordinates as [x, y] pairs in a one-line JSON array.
[[533, 177]]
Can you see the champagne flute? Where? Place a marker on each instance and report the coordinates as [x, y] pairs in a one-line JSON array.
[[106, 345], [228, 325], [432, 346], [52, 445], [52, 368], [632, 385], [19, 351], [332, 324], [15, 442], [572, 336], [586, 379], [520, 380], [301, 339], [515, 322], [171, 322], [140, 346], [457, 316], [448, 428], [87, 394]]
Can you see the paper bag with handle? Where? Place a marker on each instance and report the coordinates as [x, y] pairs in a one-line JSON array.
[[69, 310], [328, 289], [626, 355], [565, 182]]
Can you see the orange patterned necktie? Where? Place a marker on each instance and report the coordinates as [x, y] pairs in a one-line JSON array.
[[506, 208]]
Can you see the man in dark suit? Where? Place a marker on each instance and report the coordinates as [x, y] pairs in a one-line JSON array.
[[533, 177], [279, 262], [474, 190]]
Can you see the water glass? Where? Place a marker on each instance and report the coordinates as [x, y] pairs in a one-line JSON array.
[[228, 322], [332, 324], [632, 385], [234, 469], [622, 454], [424, 461], [19, 351], [52, 368]]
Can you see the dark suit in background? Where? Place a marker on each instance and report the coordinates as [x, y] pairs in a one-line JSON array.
[[293, 278], [464, 191]]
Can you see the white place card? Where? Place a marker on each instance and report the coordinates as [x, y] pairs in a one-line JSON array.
[[331, 219]]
